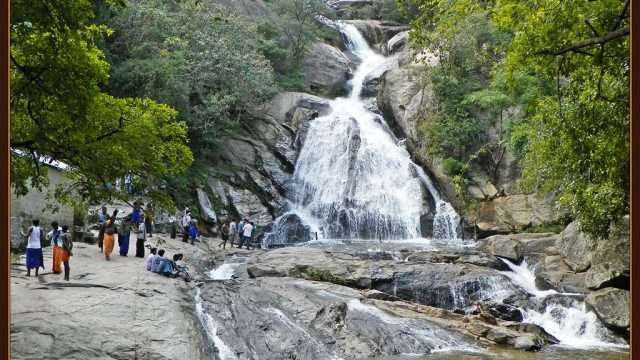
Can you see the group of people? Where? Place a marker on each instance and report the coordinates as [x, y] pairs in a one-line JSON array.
[[157, 263], [240, 232], [139, 221], [59, 238]]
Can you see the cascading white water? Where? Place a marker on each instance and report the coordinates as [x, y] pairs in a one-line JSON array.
[[352, 178], [211, 328], [567, 320]]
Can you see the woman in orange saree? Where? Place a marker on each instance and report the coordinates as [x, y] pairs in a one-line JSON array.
[[107, 243], [56, 243]]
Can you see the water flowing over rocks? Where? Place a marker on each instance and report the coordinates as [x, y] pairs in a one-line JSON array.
[[377, 32], [323, 177]]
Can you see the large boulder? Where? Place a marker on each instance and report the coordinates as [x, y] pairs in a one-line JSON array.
[[326, 70], [576, 247], [612, 307], [281, 107], [607, 275], [581, 251], [401, 97], [504, 246], [553, 273], [514, 213], [397, 42]]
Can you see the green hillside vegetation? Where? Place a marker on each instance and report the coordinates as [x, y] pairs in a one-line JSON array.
[[566, 65]]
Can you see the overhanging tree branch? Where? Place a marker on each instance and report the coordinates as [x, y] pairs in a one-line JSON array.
[[622, 15], [586, 43], [113, 131]]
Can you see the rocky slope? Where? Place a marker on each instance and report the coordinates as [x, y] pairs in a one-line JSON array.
[[109, 310]]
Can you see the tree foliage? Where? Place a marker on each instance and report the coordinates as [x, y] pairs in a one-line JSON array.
[[566, 63], [196, 57], [60, 112]]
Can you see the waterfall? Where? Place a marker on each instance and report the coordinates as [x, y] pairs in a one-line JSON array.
[[564, 316], [353, 180]]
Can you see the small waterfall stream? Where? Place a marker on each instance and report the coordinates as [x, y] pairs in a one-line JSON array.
[[353, 180], [564, 316]]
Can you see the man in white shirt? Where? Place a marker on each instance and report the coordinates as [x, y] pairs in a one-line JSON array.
[[246, 232], [35, 260]]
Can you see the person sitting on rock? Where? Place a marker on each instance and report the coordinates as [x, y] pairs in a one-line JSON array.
[[157, 260], [149, 261], [167, 267]]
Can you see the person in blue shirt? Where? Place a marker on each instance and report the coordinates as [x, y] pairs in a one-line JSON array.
[[193, 230], [157, 261]]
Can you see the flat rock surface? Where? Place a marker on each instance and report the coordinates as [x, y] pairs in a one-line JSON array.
[[108, 310]]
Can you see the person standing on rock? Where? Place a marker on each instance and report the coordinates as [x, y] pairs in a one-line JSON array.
[[56, 244], [123, 236], [65, 252], [148, 220], [102, 217], [110, 229], [233, 231], [240, 232], [193, 231], [186, 221], [35, 237], [246, 231], [224, 232]]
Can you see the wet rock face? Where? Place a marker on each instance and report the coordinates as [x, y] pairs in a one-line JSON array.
[[309, 320], [287, 230], [612, 307], [448, 281], [255, 164]]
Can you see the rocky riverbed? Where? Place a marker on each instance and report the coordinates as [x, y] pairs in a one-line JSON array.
[[324, 300]]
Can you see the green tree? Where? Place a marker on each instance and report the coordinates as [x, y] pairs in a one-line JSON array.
[[60, 112], [578, 131], [204, 62], [566, 64]]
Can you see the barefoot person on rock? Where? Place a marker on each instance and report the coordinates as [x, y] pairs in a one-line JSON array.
[[123, 235], [224, 232], [35, 237], [56, 244], [110, 229], [65, 252]]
